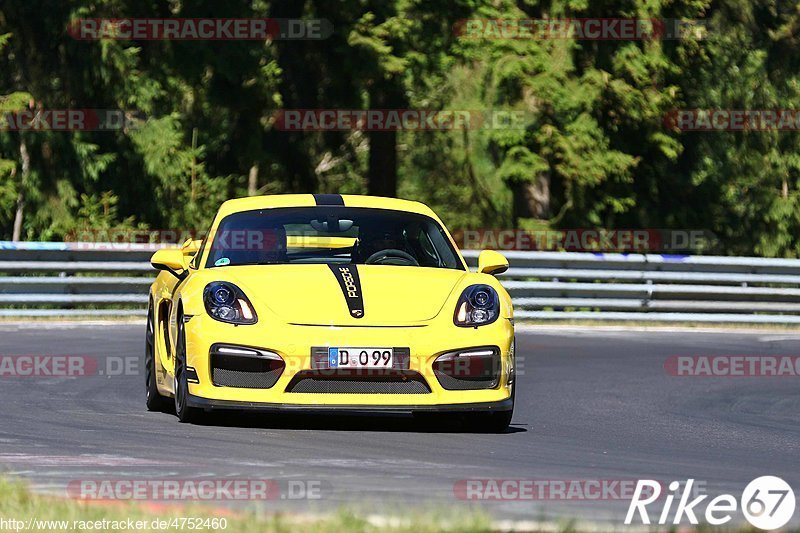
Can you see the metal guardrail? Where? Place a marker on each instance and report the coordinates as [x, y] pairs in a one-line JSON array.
[[649, 287], [77, 279], [74, 279]]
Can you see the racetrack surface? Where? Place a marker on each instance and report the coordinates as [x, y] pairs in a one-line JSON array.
[[591, 405]]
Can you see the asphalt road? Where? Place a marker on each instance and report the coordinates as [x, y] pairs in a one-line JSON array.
[[591, 405]]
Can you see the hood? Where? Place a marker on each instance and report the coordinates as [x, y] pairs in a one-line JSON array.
[[338, 294]]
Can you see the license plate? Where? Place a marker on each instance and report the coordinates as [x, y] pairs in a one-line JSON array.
[[360, 357]]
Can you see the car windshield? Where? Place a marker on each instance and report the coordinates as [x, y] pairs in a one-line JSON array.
[[331, 235]]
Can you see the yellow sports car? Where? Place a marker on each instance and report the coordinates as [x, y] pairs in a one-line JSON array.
[[330, 302]]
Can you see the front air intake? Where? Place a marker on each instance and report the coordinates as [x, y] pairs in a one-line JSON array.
[[244, 368], [469, 369]]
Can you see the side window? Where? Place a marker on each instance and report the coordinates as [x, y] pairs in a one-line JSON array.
[[427, 248], [440, 242], [199, 254]]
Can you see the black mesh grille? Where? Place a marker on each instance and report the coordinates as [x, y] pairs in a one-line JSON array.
[[403, 383], [451, 383], [224, 377], [244, 372]]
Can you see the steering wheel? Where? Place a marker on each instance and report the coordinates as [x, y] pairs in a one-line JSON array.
[[384, 256]]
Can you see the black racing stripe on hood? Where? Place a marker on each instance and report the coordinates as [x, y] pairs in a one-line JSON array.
[[350, 283], [329, 199]]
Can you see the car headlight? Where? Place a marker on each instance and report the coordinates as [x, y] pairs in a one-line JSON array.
[[478, 305], [227, 303]]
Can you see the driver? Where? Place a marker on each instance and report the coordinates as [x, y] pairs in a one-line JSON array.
[[370, 243]]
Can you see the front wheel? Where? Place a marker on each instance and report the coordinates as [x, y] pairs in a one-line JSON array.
[[182, 409], [499, 421], [154, 400], [496, 422]]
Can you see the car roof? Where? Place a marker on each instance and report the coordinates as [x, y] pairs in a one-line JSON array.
[[251, 203]]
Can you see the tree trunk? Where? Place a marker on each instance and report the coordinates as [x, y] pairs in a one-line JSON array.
[[382, 177], [15, 236], [194, 163], [532, 199], [26, 167], [300, 84], [252, 181], [382, 171]]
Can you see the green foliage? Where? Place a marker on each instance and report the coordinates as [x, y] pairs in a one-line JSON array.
[[179, 173], [520, 165], [593, 117]]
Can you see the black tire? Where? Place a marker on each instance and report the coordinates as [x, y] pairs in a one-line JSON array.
[[153, 399], [499, 422], [473, 422], [493, 422], [496, 422], [182, 409]]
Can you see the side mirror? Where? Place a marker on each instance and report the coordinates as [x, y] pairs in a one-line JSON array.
[[491, 262], [191, 246], [190, 249], [170, 259]]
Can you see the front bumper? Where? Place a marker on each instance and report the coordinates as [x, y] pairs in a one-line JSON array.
[[294, 344], [488, 407]]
